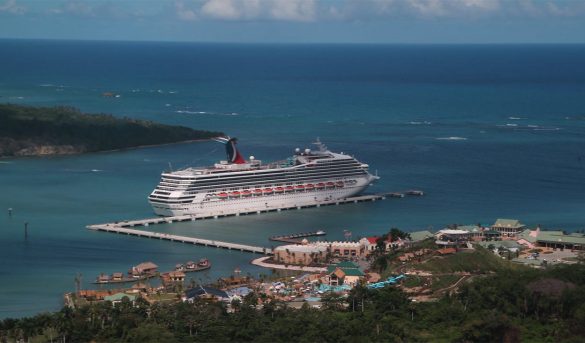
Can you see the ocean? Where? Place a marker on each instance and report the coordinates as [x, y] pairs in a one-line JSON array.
[[487, 131]]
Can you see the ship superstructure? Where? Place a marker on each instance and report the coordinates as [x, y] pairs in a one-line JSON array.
[[239, 186]]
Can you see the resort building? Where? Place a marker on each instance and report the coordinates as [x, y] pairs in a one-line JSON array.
[[452, 238], [208, 293], [304, 254], [117, 298], [508, 227], [552, 239], [345, 248], [344, 273], [419, 236], [370, 244]]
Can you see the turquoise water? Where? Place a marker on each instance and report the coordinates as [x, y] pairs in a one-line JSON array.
[[485, 131]]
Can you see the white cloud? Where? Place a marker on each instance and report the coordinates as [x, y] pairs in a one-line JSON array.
[[10, 6], [284, 10], [183, 12], [293, 10]]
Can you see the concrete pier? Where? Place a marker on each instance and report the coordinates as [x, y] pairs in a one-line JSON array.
[[125, 227], [180, 239]]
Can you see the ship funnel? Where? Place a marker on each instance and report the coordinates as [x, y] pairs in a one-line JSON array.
[[233, 155]]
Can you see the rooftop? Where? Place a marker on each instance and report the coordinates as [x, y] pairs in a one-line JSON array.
[[420, 235], [509, 224]]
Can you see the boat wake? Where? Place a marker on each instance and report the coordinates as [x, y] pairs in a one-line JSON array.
[[208, 113], [452, 138]]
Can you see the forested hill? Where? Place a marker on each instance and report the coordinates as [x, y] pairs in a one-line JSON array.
[[29, 131]]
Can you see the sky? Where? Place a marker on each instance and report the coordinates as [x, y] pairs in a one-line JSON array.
[[298, 21]]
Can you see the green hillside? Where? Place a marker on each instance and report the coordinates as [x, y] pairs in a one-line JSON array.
[[28, 131]]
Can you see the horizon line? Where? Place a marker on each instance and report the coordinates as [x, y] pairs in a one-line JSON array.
[[285, 43]]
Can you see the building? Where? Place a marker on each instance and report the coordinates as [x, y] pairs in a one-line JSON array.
[[345, 248], [304, 254], [344, 273], [419, 236], [208, 293], [117, 298], [552, 239], [143, 269], [508, 227], [452, 237], [370, 244]]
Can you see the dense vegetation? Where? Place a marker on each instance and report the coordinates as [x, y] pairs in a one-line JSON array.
[[510, 306], [26, 130]]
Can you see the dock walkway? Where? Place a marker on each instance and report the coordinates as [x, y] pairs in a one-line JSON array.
[[181, 239], [295, 237], [125, 227]]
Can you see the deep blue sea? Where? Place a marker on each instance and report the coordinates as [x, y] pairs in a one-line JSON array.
[[487, 131]]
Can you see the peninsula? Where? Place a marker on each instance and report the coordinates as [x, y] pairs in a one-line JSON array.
[[36, 131]]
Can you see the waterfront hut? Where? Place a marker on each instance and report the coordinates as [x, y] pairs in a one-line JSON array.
[[144, 268], [508, 227]]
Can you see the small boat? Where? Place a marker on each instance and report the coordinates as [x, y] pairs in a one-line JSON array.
[[191, 266], [246, 193], [258, 191], [267, 190], [300, 187], [222, 195], [320, 185], [339, 184], [310, 186], [289, 188], [120, 278], [330, 184], [320, 233], [235, 194], [279, 189]]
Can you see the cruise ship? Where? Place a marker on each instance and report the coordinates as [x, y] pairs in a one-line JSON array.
[[242, 186]]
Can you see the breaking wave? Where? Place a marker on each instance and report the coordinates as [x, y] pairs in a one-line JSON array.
[[452, 138]]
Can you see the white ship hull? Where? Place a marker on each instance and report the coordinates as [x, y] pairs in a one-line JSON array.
[[253, 203], [239, 186]]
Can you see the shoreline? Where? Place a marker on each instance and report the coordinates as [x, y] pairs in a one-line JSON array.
[[105, 151]]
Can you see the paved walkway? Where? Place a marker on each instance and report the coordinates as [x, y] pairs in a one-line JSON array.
[[260, 262]]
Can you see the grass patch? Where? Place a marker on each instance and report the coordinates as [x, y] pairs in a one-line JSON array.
[[443, 281], [164, 297], [479, 261]]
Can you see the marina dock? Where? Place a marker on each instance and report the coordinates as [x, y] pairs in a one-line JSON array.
[[295, 238]]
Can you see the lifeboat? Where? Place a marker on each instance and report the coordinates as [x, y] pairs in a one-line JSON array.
[[300, 187], [310, 186], [279, 189], [258, 191], [222, 195], [339, 184], [267, 190], [330, 184], [246, 193], [320, 185], [235, 194], [289, 188]]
